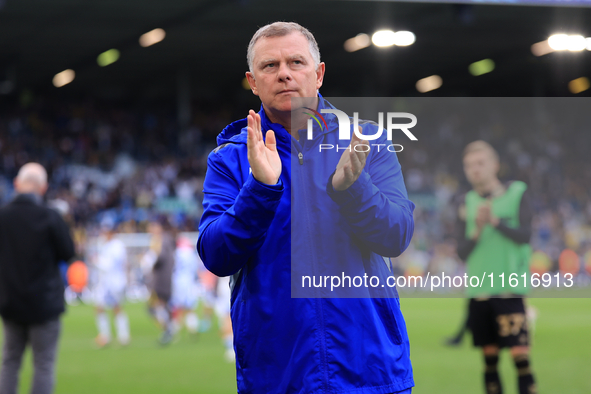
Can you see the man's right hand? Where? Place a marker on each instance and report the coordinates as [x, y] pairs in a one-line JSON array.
[[263, 156]]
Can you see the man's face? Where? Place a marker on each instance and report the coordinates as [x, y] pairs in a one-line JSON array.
[[283, 68], [480, 167]]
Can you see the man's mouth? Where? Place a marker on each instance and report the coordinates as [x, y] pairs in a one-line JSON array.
[[286, 91]]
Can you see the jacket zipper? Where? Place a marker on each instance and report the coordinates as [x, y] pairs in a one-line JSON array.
[[319, 308], [299, 149]]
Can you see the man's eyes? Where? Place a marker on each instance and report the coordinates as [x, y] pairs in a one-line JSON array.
[[295, 62]]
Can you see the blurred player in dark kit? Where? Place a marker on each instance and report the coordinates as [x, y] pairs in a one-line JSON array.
[[159, 260], [494, 229]]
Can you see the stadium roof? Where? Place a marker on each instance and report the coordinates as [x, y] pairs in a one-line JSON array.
[[208, 39]]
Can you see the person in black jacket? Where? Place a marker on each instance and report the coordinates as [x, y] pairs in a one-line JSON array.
[[33, 240]]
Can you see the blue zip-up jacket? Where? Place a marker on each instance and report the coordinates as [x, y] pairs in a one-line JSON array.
[[286, 344]]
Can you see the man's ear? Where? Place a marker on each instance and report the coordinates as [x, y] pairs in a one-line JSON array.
[[252, 83], [320, 74]]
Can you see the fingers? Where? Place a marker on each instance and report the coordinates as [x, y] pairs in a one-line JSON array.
[[362, 152], [353, 160], [250, 131], [358, 140], [254, 133], [356, 137], [356, 160], [358, 155], [254, 125], [484, 212], [349, 174], [251, 137], [258, 130], [271, 142]]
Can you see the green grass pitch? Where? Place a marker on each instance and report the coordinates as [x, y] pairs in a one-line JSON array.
[[561, 354]]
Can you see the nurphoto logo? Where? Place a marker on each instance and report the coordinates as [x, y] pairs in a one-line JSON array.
[[345, 128]]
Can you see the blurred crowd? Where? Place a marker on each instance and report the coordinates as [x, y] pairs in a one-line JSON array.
[[105, 161], [131, 163]]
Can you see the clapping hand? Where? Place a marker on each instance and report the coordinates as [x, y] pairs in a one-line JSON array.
[[263, 156], [351, 163], [485, 216]]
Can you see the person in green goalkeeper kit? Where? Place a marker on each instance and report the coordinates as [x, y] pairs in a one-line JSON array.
[[494, 229]]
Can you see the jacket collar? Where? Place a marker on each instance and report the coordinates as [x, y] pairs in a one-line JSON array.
[[28, 198]]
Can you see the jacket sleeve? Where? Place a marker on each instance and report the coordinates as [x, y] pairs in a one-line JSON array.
[[62, 240], [235, 217], [376, 206]]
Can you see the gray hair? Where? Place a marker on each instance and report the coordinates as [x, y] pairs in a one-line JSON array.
[[280, 29]]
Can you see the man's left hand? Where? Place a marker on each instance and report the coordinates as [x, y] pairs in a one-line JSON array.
[[351, 163]]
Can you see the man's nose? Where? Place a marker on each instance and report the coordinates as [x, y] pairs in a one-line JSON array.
[[284, 73]]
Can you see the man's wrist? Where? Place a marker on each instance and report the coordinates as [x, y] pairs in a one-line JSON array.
[[275, 186], [329, 186], [341, 188], [264, 190], [266, 182]]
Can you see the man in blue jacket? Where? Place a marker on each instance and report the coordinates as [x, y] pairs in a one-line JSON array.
[[350, 209]]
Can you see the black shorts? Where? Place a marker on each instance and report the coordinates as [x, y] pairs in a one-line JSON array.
[[498, 321]]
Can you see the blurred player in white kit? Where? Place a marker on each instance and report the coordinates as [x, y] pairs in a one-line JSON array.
[[184, 285], [109, 292]]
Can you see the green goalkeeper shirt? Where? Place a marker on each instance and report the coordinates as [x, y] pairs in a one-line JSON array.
[[496, 251]]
